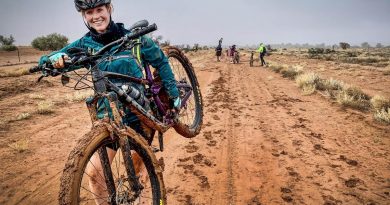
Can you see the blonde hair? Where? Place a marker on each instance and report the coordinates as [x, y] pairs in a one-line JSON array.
[[109, 7]]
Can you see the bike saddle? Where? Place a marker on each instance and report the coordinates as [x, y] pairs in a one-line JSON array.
[[139, 24]]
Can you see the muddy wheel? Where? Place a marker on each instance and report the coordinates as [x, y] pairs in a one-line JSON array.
[[83, 176], [191, 114]]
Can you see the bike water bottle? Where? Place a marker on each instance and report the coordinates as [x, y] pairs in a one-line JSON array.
[[138, 96]]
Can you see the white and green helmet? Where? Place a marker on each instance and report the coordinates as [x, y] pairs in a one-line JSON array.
[[89, 4]]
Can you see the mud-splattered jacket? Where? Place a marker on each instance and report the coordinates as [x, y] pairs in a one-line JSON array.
[[125, 62]]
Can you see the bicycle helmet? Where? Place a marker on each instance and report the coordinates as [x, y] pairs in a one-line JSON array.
[[89, 4]]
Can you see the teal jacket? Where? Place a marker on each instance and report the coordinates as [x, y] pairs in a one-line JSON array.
[[126, 63]]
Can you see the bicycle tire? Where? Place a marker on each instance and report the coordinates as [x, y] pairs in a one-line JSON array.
[[72, 177], [187, 129]]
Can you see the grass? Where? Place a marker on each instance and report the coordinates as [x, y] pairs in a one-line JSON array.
[[79, 96], [23, 116], [381, 107], [45, 107], [291, 72], [353, 97], [308, 82], [36, 96], [276, 68], [20, 145], [380, 102], [383, 115], [14, 73], [331, 84]]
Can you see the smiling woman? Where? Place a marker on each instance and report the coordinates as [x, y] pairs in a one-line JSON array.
[[98, 18], [102, 31]]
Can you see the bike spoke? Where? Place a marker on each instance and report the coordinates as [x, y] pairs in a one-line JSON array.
[[98, 197]]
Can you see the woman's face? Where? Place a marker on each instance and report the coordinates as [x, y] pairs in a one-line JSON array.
[[98, 18]]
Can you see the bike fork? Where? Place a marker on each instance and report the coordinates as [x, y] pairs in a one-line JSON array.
[[107, 174], [133, 179]]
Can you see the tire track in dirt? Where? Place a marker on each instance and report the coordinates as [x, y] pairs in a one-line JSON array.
[[313, 156], [231, 142]]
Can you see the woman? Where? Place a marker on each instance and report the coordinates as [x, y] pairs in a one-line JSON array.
[[102, 30]]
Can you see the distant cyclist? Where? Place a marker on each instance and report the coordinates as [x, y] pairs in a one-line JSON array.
[[218, 50], [232, 51], [262, 50]]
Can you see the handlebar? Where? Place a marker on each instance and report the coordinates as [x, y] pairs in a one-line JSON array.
[[35, 69], [48, 69], [129, 37]]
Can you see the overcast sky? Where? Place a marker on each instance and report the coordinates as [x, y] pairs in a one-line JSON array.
[[242, 22]]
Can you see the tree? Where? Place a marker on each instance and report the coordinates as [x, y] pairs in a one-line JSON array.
[[7, 43], [52, 42], [195, 47], [365, 45], [379, 45], [344, 45]]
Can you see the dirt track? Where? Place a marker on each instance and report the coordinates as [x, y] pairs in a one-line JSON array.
[[263, 142]]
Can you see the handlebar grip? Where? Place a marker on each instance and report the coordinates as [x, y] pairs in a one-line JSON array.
[[35, 69], [143, 31]]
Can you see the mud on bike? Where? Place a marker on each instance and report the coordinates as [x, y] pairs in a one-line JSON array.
[[134, 176]]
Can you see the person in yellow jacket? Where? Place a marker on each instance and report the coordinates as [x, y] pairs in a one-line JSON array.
[[262, 50]]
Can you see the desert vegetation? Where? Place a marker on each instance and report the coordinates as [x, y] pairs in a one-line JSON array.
[[345, 94], [50, 42], [7, 43]]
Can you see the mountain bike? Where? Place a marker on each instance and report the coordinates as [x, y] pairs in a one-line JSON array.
[[134, 176]]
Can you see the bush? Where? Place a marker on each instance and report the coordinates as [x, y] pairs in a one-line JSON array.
[[291, 72], [7, 43], [353, 97], [50, 42], [380, 102], [383, 115], [308, 82], [8, 48], [344, 45], [315, 51]]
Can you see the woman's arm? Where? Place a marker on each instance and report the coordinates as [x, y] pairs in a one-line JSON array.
[[152, 53]]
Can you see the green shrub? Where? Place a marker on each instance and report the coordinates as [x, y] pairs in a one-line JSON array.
[[50, 42], [8, 48], [7, 43]]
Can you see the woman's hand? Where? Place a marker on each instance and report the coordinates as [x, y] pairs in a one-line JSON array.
[[57, 60]]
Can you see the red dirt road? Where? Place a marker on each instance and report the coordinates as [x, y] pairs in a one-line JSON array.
[[262, 142]]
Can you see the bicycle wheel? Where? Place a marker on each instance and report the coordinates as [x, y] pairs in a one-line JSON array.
[[84, 181], [191, 115]]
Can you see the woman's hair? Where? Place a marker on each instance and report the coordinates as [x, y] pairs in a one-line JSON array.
[[109, 7]]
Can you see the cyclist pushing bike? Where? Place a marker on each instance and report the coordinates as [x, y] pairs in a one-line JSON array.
[[122, 63]]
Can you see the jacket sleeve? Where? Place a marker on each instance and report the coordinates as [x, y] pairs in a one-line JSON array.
[[152, 54], [45, 58]]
